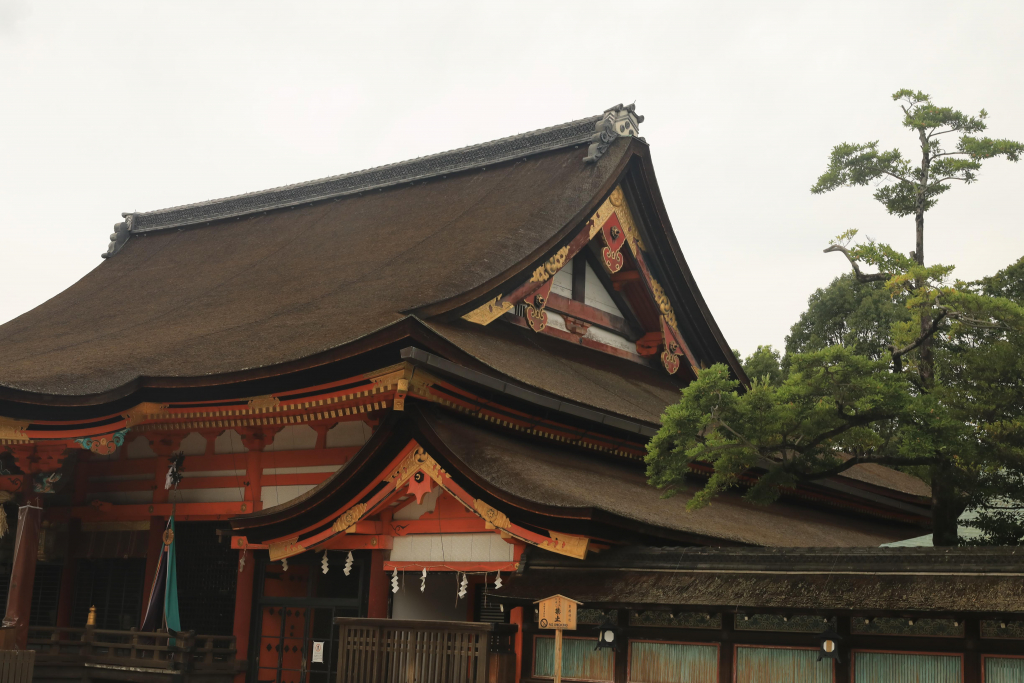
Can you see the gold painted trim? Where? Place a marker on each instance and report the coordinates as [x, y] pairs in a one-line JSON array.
[[489, 312], [283, 549], [13, 429], [566, 544], [617, 204], [554, 264], [493, 518], [348, 519]]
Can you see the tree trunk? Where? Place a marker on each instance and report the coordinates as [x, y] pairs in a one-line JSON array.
[[947, 506], [926, 358]]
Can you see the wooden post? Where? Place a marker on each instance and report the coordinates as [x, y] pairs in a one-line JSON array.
[[972, 653], [558, 656], [377, 602], [243, 610], [23, 571], [68, 575], [516, 617], [154, 546], [727, 649], [843, 666]]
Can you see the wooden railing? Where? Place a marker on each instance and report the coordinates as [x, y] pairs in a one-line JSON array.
[[136, 651], [394, 651]]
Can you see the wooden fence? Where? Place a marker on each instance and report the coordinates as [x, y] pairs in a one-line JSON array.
[[132, 655], [394, 651], [16, 666]]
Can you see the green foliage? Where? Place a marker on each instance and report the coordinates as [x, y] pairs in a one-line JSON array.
[[904, 366], [764, 364], [857, 316], [833, 404], [903, 187]]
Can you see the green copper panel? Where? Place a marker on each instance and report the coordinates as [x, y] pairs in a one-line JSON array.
[[890, 667], [672, 663], [781, 665], [580, 661], [1004, 669]]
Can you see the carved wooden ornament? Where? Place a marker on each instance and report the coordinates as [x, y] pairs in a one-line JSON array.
[[347, 519], [614, 237], [283, 549], [493, 518], [536, 316], [418, 459]]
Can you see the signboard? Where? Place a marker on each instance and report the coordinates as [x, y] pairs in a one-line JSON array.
[[318, 652], [557, 612]]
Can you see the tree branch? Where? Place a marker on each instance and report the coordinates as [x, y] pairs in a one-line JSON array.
[[899, 353], [861, 277], [891, 461]]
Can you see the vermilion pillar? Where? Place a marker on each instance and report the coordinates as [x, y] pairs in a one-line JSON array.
[[379, 587], [243, 609], [23, 572], [516, 617], [154, 546], [68, 575]]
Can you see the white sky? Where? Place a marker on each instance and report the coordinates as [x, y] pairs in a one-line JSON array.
[[111, 107]]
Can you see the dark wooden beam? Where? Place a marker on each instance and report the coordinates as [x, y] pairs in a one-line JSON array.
[[579, 278], [726, 649], [557, 302]]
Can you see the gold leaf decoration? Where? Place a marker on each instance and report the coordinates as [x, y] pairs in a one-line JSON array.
[[283, 549], [261, 403], [489, 312], [565, 544], [663, 303], [617, 204], [417, 460], [142, 412], [494, 519], [551, 266], [13, 429], [347, 519]]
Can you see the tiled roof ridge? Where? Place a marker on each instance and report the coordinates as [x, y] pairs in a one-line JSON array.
[[596, 131]]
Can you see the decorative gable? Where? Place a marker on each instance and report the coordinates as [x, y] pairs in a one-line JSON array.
[[568, 294]]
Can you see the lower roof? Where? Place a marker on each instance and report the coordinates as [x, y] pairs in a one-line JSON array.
[[861, 580], [537, 474], [573, 372]]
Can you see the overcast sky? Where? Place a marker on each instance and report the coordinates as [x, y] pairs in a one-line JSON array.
[[122, 106]]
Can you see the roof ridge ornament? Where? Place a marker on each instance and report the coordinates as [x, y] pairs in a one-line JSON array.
[[119, 236], [618, 122]]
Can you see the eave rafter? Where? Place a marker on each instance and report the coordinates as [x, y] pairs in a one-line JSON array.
[[416, 472], [352, 398], [614, 222]]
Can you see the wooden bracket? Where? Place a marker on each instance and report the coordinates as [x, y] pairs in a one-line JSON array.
[[536, 316]]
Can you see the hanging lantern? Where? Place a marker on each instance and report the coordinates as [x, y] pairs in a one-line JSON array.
[[607, 635], [829, 647]]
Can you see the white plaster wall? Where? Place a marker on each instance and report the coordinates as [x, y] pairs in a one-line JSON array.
[[486, 547], [293, 438], [597, 296], [562, 282], [138, 447], [276, 495], [122, 497], [415, 511], [354, 433], [229, 442], [193, 444]]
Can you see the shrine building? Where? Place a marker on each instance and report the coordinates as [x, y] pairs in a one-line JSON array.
[[422, 393]]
